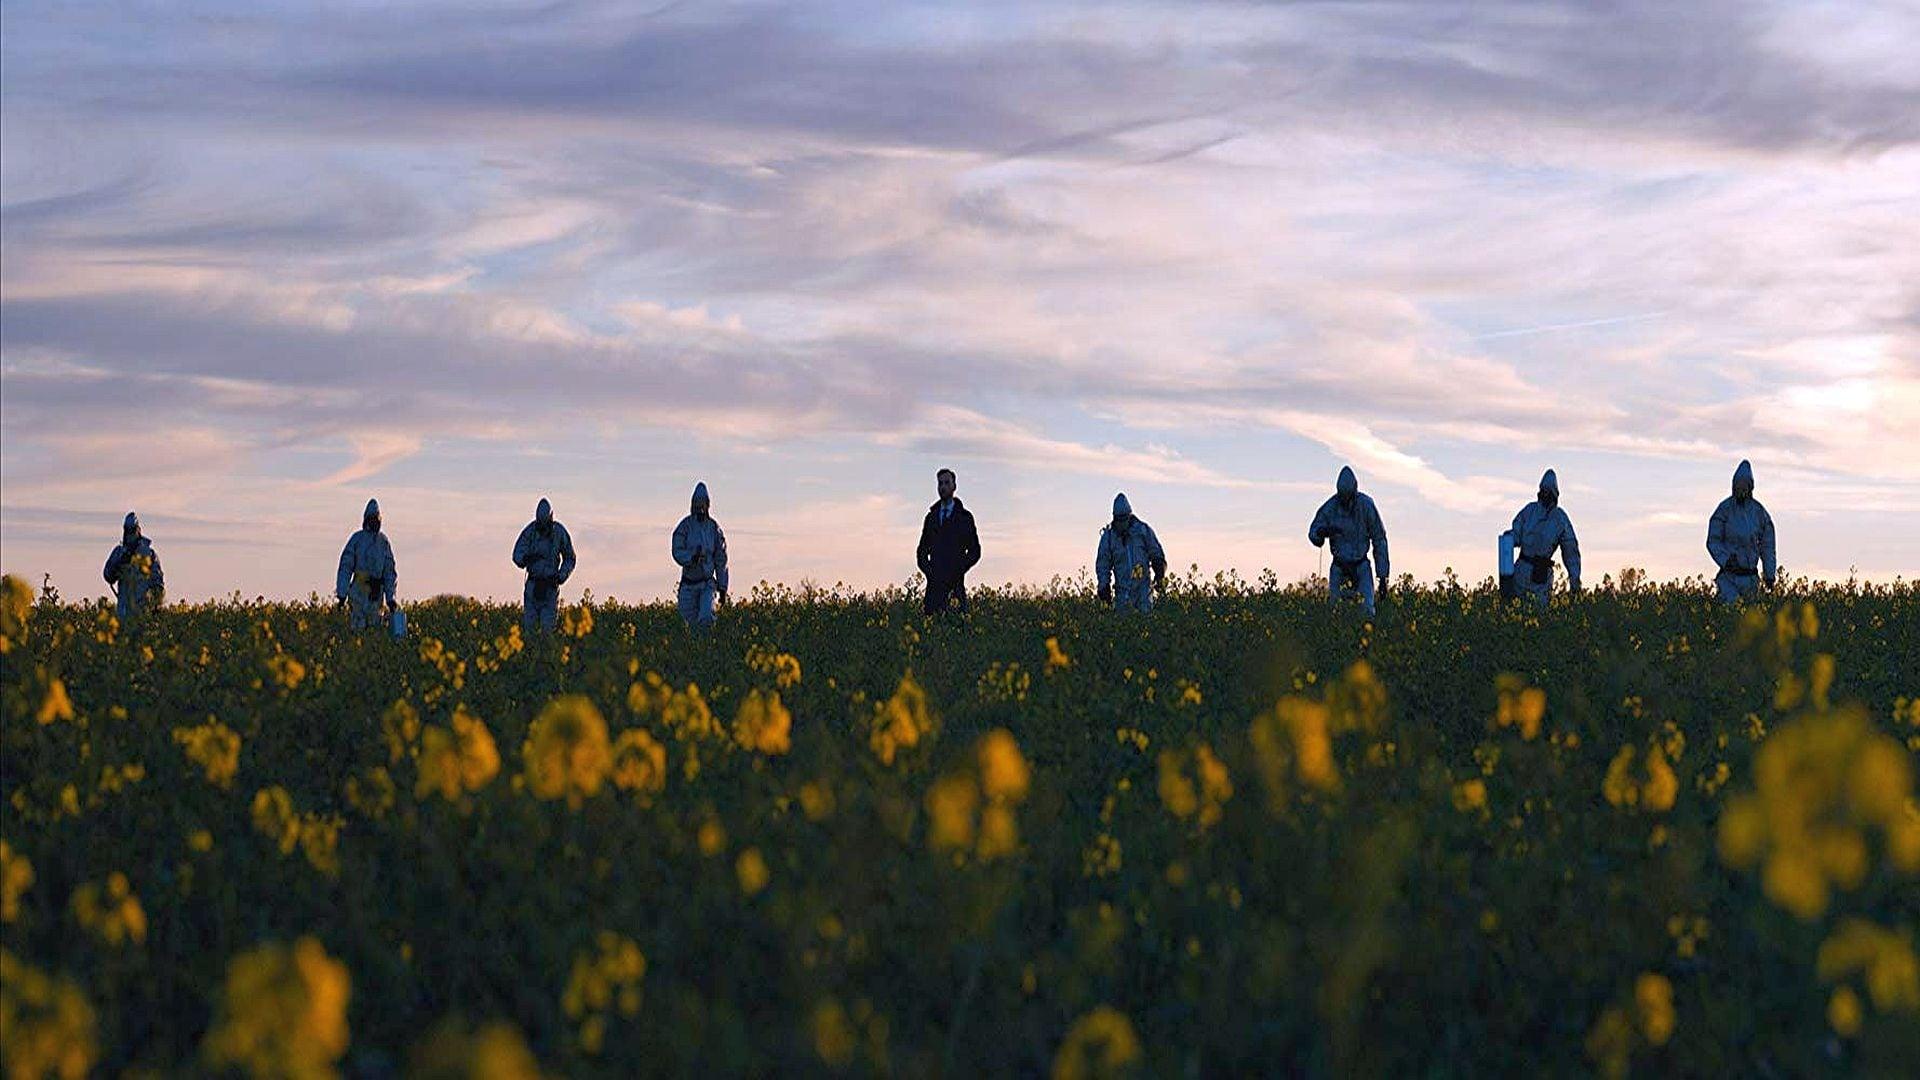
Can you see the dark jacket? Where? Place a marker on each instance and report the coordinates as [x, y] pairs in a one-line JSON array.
[[948, 551]]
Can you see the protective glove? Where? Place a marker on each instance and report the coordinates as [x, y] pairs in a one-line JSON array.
[[1106, 594], [1159, 583], [1381, 589], [1574, 586], [1768, 581]]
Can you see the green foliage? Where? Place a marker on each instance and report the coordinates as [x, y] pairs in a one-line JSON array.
[[1233, 849]]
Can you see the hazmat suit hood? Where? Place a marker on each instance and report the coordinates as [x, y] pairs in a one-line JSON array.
[[700, 502], [1348, 485], [130, 528], [1121, 507], [1743, 481], [1549, 488], [370, 517], [543, 513]]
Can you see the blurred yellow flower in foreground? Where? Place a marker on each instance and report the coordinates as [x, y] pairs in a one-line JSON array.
[[282, 1013], [110, 910], [567, 755], [495, 1051], [46, 1026], [1101, 1043], [1821, 783], [1651, 787], [16, 877], [603, 980], [214, 747], [1194, 784], [639, 764], [901, 722], [763, 724]]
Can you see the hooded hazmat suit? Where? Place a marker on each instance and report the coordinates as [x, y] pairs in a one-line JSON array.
[[701, 550], [367, 573], [1540, 529], [545, 551], [134, 571], [1351, 521], [1130, 563], [1740, 539]]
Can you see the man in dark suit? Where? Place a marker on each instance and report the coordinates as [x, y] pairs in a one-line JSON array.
[[949, 547]]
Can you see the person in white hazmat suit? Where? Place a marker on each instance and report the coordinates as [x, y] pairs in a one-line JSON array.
[[545, 551], [701, 550], [1740, 539], [1130, 565], [1540, 529], [1351, 521], [367, 574], [134, 571]]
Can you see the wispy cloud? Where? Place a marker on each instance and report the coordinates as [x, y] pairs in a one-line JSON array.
[[1217, 245]]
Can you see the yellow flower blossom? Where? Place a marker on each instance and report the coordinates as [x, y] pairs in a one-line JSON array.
[[1102, 1043], [834, 1037], [1884, 958], [1003, 771], [1194, 784], [604, 981], [1057, 658], [1652, 787], [750, 867], [47, 1028], [282, 1012], [214, 747], [1470, 795], [901, 722], [1293, 750], [56, 705], [567, 755], [110, 911], [16, 877], [763, 724], [639, 765], [495, 1051]]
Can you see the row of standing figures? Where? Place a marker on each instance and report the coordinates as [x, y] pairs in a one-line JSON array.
[[1130, 566]]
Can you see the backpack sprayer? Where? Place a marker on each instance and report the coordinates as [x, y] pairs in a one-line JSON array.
[[1507, 590]]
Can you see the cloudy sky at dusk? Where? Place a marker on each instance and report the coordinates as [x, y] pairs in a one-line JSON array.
[[262, 261]]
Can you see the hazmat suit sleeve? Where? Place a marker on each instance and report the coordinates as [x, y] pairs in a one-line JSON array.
[[343, 580], [1156, 555], [1769, 563], [116, 559], [157, 580], [682, 545], [1717, 545], [719, 558], [1103, 562], [1570, 550], [1377, 532], [523, 547], [567, 561], [393, 569], [1322, 524]]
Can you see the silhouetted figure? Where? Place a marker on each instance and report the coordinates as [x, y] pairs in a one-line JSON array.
[[545, 552], [949, 547], [367, 574], [1352, 522], [701, 550], [1130, 565], [134, 572], [1540, 529], [1740, 539]]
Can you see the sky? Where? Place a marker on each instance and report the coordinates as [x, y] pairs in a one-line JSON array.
[[260, 262]]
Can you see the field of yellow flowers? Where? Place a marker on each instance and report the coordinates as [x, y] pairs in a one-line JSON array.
[[1635, 833]]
